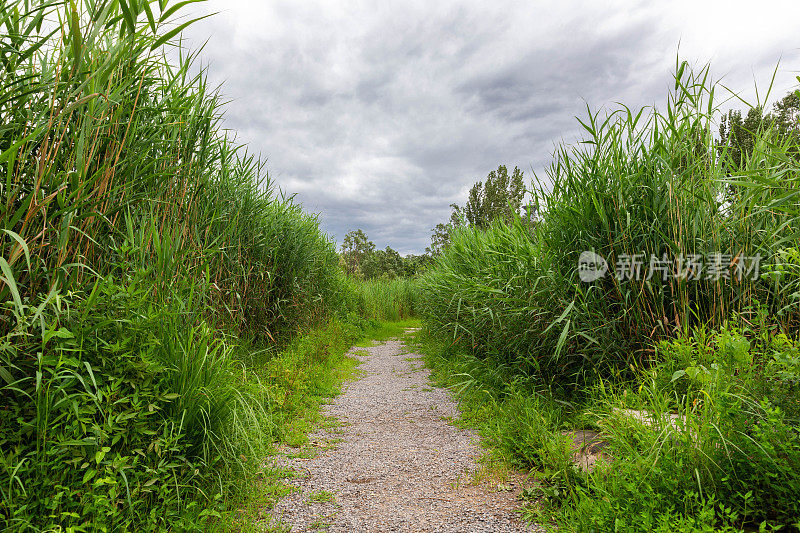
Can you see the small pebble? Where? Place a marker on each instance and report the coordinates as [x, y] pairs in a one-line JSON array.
[[396, 464]]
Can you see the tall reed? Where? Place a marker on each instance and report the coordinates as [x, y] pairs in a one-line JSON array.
[[650, 182], [382, 299], [139, 248]]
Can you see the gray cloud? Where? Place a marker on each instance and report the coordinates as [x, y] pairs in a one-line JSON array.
[[380, 116]]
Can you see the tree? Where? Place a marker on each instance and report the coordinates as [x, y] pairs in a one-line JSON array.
[[786, 118], [383, 263], [440, 237], [356, 247], [738, 135], [360, 258], [415, 264], [500, 196]]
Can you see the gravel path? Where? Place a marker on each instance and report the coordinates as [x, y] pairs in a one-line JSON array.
[[394, 463]]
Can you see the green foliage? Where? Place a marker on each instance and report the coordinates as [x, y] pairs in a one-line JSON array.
[[122, 399], [387, 263], [738, 136], [148, 270], [711, 454], [499, 198], [361, 260], [478, 291], [395, 299], [709, 363], [356, 248], [440, 236], [647, 183], [784, 273], [720, 450], [414, 265]]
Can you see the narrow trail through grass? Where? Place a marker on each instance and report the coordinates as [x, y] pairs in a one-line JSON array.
[[389, 459]]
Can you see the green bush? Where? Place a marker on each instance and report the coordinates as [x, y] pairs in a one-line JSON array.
[[95, 433], [714, 444], [384, 299], [710, 363], [148, 269], [651, 183]]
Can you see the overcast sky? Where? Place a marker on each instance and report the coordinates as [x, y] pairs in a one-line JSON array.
[[381, 114]]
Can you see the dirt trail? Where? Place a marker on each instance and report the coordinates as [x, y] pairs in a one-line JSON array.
[[395, 463]]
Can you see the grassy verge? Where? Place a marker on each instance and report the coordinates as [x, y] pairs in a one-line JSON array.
[[684, 368], [709, 450], [297, 382], [149, 273]]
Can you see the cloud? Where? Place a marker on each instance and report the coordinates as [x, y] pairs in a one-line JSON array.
[[379, 115]]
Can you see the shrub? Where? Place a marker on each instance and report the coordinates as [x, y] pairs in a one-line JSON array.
[[711, 362], [648, 183], [144, 259]]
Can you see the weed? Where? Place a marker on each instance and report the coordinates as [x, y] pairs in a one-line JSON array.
[[321, 496]]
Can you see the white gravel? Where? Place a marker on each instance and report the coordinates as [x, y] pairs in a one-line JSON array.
[[395, 463]]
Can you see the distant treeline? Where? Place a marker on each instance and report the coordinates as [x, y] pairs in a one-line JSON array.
[[360, 259]]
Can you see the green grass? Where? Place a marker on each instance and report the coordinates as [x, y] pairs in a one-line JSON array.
[[387, 330], [152, 278], [321, 496], [535, 353], [391, 300], [650, 182], [167, 315], [734, 462], [297, 382]]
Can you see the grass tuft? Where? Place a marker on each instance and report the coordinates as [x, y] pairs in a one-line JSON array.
[[688, 381]]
